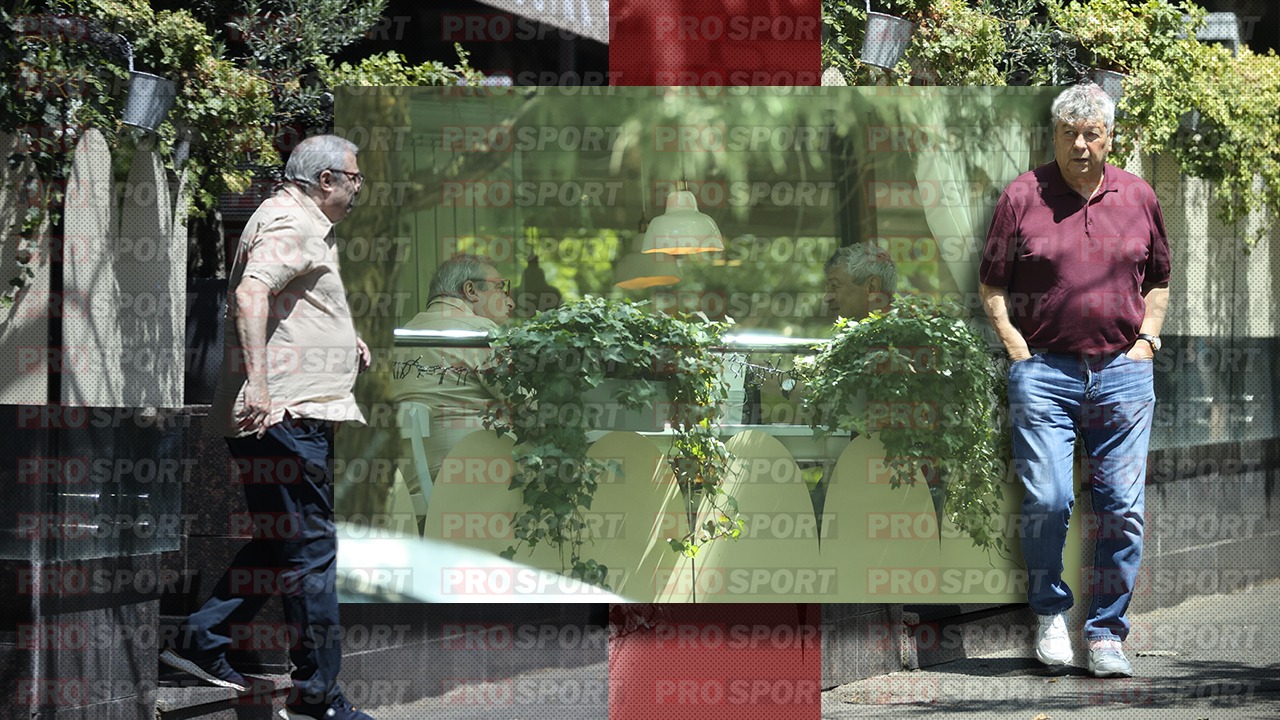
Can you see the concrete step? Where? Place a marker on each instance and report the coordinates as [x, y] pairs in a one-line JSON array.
[[178, 699]]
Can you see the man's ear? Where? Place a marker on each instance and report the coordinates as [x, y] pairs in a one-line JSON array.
[[873, 285], [323, 182], [468, 290]]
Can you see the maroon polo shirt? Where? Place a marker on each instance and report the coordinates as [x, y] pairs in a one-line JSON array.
[[1074, 269]]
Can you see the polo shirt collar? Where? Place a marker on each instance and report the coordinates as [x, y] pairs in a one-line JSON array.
[[1058, 184], [308, 205], [452, 303]]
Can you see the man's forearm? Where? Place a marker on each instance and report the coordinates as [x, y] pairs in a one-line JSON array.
[[1157, 303], [252, 297], [995, 301]]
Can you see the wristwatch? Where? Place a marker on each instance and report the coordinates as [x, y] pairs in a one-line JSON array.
[[1152, 340]]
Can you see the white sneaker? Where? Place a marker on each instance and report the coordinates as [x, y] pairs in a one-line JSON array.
[[1106, 659], [1053, 644]]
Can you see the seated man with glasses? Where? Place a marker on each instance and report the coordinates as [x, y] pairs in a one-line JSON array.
[[356, 178], [466, 293]]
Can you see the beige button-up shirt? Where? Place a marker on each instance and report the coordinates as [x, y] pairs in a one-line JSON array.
[[311, 341], [459, 400]]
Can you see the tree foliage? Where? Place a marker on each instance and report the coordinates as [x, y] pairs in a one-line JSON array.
[[1213, 112]]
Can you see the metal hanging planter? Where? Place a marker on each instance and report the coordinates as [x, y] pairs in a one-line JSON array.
[[606, 413], [149, 101], [1189, 122], [886, 40], [1111, 82]]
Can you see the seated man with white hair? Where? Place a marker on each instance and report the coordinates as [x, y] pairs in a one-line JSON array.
[[466, 293]]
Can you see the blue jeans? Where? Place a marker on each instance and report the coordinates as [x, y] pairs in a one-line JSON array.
[[287, 477], [1109, 402]]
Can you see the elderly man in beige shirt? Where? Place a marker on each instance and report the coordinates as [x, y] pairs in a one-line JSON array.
[[289, 364], [466, 293]]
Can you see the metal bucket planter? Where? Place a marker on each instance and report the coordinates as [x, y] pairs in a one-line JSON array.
[[886, 40], [1189, 122], [149, 101], [602, 412], [1111, 82]]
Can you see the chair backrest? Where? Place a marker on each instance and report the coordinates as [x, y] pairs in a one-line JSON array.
[[414, 419]]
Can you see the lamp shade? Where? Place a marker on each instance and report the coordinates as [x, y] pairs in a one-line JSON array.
[[638, 270], [682, 230]]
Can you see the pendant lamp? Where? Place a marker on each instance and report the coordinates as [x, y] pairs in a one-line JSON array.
[[639, 270], [682, 230]]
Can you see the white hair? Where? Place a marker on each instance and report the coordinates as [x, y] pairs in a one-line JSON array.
[[1085, 102], [315, 155], [454, 272], [863, 261]]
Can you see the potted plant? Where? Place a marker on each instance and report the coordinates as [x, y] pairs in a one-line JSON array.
[[887, 36], [162, 47], [1137, 49], [545, 367], [220, 108], [922, 380], [1214, 111], [860, 36]]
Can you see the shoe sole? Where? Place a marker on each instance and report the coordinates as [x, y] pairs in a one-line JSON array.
[[287, 714], [1053, 662], [1110, 673], [176, 661]]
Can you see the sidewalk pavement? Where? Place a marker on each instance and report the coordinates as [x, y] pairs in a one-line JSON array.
[[579, 693], [1210, 657], [1214, 657]]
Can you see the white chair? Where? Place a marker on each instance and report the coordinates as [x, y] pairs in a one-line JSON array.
[[414, 420]]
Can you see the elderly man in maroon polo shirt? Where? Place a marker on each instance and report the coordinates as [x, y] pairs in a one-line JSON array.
[[1075, 280]]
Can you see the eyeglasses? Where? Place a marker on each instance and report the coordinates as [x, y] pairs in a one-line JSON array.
[[357, 178], [504, 284]]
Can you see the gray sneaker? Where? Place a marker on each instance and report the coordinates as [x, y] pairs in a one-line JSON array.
[[214, 671], [1109, 661]]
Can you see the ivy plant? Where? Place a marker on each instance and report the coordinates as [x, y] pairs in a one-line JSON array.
[[918, 376], [221, 109], [1124, 36], [1215, 113], [391, 70], [1143, 42], [72, 60], [1037, 52], [61, 85], [545, 365], [955, 44], [1237, 142]]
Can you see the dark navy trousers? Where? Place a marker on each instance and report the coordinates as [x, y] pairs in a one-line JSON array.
[[287, 477]]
